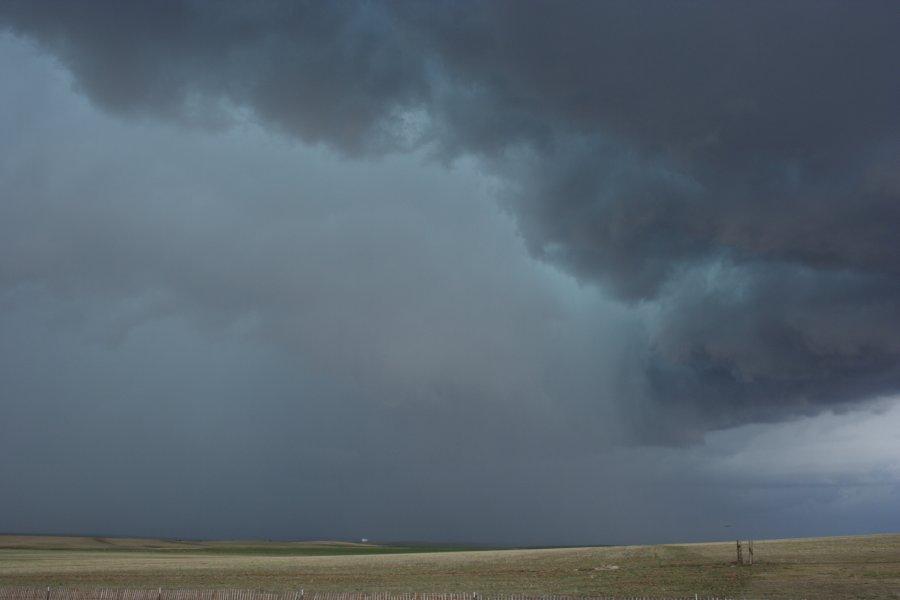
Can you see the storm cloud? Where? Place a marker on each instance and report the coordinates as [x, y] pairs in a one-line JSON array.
[[419, 246], [734, 165]]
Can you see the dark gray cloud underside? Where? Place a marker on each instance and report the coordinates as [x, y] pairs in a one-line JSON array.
[[732, 167]]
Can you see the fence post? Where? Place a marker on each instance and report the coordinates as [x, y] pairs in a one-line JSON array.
[[750, 550]]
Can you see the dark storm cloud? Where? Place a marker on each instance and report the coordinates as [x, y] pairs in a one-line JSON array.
[[730, 168], [319, 344], [326, 71]]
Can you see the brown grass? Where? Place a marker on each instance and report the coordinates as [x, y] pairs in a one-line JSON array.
[[822, 568]]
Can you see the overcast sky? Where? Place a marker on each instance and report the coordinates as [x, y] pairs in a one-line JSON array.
[[499, 272]]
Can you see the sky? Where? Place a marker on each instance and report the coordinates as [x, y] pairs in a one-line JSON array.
[[503, 272]]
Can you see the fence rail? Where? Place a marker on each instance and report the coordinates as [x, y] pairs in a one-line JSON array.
[[62, 593]]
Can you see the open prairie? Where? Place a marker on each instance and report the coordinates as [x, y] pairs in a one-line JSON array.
[[821, 568]]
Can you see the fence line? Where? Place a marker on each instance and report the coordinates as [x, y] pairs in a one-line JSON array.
[[63, 593]]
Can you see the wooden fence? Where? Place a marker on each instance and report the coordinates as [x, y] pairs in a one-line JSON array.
[[60, 593]]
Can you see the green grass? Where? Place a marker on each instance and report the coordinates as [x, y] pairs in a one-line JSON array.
[[824, 568], [228, 548], [325, 550]]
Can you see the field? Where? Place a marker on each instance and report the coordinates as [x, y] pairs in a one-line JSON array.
[[820, 568]]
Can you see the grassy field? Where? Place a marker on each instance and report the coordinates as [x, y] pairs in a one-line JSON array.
[[821, 568]]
